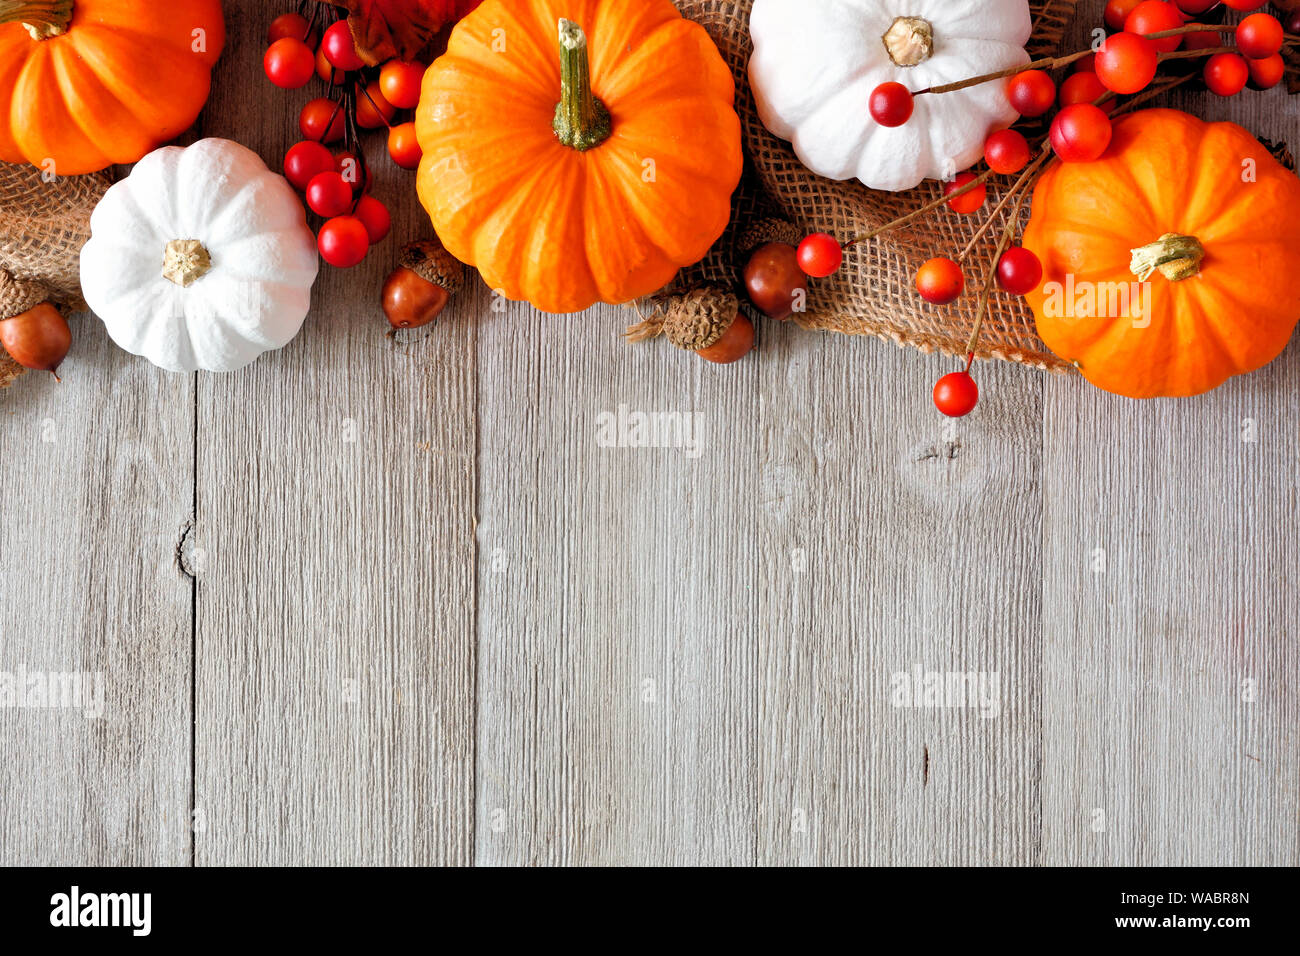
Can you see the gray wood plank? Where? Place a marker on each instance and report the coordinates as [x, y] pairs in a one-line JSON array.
[[335, 591], [96, 474], [895, 540], [1171, 679], [616, 601]]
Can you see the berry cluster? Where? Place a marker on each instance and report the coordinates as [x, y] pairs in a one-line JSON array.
[[1148, 33], [336, 184]]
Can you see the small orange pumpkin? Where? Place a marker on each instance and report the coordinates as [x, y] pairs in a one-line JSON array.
[[89, 83], [1170, 264], [570, 178]]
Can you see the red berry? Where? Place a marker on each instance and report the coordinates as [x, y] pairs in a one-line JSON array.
[[891, 104], [956, 395], [1080, 133], [350, 168], [1259, 36], [373, 111], [1267, 73], [1194, 7], [1244, 6], [1085, 88], [304, 160], [339, 48], [1006, 151], [289, 25], [1226, 74], [289, 63], [1156, 16], [1117, 12], [400, 82], [820, 255], [321, 120], [968, 202], [940, 281], [1127, 63], [375, 217], [403, 146], [343, 241], [1031, 93], [1019, 271], [328, 195]]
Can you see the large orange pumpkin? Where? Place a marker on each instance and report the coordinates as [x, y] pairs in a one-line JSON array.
[[90, 83], [569, 178], [1170, 264]]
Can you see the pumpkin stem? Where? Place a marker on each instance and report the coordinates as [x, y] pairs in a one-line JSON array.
[[1176, 257], [581, 120], [185, 261], [910, 41], [41, 18]]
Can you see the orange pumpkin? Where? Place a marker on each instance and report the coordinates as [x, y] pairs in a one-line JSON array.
[[569, 178], [90, 83], [1170, 264]]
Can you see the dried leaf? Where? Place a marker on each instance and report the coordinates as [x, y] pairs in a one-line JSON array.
[[384, 29]]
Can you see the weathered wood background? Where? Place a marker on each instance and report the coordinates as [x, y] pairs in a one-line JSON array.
[[388, 602]]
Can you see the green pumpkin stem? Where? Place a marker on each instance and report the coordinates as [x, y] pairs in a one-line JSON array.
[[1176, 257], [41, 18], [581, 120]]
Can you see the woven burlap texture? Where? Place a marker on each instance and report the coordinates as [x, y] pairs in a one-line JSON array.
[[43, 225], [874, 293]]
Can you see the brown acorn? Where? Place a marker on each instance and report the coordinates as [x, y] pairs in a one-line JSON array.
[[37, 339], [416, 292]]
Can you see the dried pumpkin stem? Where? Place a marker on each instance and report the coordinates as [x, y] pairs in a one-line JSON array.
[[1175, 257], [581, 120], [185, 261], [41, 18]]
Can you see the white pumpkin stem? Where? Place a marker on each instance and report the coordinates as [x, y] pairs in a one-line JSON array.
[[185, 262], [41, 18], [909, 41], [581, 120], [1175, 257]]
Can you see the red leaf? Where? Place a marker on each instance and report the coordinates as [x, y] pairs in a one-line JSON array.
[[384, 29]]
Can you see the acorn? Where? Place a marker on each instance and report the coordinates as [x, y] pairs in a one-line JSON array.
[[37, 339], [763, 231], [416, 292]]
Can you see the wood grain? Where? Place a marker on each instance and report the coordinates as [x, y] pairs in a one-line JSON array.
[[1170, 669], [616, 601], [96, 474], [335, 605], [895, 540]]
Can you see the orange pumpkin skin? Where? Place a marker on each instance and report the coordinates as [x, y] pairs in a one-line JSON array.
[[123, 79], [1168, 172], [542, 221]]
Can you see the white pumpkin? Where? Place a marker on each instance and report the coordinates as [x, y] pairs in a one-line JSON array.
[[815, 65], [200, 259]]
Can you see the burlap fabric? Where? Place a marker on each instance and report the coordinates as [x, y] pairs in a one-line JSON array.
[[874, 293], [43, 226]]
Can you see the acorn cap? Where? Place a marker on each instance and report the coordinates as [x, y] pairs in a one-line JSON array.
[[431, 262], [699, 317], [763, 231]]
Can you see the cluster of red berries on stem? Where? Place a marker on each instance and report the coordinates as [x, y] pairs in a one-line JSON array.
[[1147, 34], [336, 185]]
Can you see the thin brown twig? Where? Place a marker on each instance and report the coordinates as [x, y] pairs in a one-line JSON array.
[[1029, 170], [1008, 231]]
